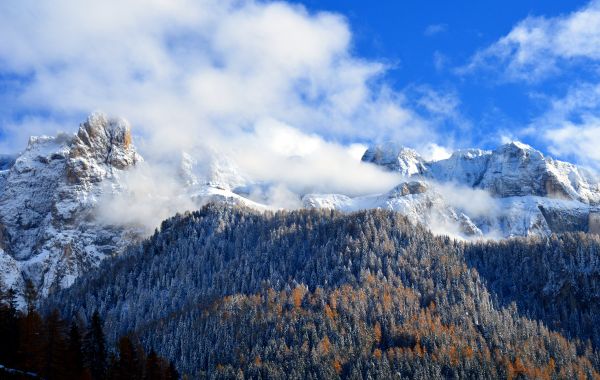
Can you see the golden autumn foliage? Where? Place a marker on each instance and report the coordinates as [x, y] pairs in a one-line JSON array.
[[297, 295], [325, 346], [377, 353], [377, 333], [337, 366]]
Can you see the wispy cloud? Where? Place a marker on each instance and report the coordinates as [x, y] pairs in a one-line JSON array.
[[434, 29], [540, 46], [547, 50], [269, 84], [571, 124]]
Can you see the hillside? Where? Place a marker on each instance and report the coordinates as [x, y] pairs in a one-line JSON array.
[[318, 294]]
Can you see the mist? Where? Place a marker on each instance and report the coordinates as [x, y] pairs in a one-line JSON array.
[[269, 86]]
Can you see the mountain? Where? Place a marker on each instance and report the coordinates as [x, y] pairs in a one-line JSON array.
[[52, 227], [228, 291], [48, 229], [53, 196], [395, 158], [530, 194]]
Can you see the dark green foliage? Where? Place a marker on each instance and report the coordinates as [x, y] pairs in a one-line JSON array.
[[555, 279], [34, 347], [227, 292], [95, 348]]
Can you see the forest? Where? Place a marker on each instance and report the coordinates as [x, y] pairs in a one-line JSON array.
[[226, 292], [35, 346]]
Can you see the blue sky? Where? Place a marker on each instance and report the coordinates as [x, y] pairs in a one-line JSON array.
[[428, 74], [426, 41]]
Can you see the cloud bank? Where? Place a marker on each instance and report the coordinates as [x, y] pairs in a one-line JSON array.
[[268, 85], [232, 76], [184, 71]]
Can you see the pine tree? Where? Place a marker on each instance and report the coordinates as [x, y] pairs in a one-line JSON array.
[[75, 352], [95, 348], [56, 348], [128, 366], [153, 370]]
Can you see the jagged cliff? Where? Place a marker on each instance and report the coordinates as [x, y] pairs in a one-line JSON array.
[[529, 193], [49, 231]]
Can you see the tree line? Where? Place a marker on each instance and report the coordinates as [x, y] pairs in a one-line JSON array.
[[45, 346]]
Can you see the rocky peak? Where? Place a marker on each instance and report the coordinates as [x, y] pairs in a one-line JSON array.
[[101, 144], [395, 158], [48, 201], [463, 166], [408, 188]]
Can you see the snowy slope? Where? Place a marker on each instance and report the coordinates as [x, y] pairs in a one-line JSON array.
[[48, 228], [529, 194]]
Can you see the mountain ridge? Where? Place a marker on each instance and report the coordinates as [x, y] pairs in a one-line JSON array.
[[51, 231]]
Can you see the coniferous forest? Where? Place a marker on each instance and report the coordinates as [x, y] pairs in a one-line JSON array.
[[226, 292], [47, 347]]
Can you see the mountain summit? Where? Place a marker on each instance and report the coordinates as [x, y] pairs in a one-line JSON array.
[[48, 227], [526, 192]]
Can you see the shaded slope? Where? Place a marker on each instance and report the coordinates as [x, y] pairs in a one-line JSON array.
[[319, 294]]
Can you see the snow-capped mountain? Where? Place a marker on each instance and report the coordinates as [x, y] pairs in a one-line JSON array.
[[48, 229], [527, 193], [53, 224]]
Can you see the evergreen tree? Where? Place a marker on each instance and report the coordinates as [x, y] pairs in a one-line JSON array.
[[8, 326], [75, 352], [56, 348], [153, 370], [95, 348], [128, 365]]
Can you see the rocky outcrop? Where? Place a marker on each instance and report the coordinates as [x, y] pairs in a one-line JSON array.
[[407, 188], [417, 200], [100, 146], [49, 228], [395, 158]]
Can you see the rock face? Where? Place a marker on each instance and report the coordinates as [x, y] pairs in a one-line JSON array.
[[530, 194], [395, 158], [516, 169], [48, 226]]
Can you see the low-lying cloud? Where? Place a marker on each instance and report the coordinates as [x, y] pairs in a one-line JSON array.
[[269, 85]]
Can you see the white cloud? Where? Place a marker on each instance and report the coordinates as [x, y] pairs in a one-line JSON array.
[[182, 69], [434, 29], [434, 152], [279, 153], [539, 46], [571, 124], [579, 140], [267, 85], [439, 60]]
